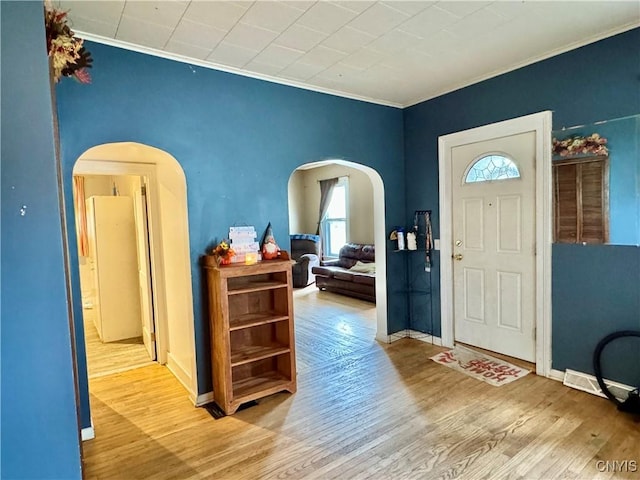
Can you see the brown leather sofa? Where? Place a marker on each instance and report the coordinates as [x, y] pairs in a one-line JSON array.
[[348, 274]]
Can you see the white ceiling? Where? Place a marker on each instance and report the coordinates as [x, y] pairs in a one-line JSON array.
[[392, 52]]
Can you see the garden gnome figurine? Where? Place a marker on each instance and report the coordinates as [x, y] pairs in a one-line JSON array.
[[269, 246]]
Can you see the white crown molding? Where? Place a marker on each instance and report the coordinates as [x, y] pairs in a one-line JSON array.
[[224, 68], [292, 83], [529, 61]]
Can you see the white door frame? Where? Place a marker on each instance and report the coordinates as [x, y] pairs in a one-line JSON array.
[[161, 171], [541, 124]]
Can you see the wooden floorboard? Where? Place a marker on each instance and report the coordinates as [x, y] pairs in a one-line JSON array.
[[362, 410], [111, 357]]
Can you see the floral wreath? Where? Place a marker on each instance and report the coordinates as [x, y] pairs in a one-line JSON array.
[[68, 56], [594, 144]]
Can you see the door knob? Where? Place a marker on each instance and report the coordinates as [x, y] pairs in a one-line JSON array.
[[457, 256]]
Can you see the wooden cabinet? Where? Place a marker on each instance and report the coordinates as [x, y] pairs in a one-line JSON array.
[[581, 200], [252, 332]]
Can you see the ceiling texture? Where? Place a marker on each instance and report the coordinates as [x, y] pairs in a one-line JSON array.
[[394, 53]]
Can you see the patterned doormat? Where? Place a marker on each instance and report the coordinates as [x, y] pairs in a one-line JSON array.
[[483, 367]]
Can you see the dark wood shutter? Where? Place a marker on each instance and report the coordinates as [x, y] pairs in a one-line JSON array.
[[581, 200]]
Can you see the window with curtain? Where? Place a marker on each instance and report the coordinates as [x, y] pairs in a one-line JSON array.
[[335, 221]]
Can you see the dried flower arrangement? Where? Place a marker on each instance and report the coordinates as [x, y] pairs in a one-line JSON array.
[[68, 56], [594, 144], [223, 252]]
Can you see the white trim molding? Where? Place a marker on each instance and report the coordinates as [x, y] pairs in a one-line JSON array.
[[182, 374], [339, 93], [113, 42], [557, 375], [203, 399], [88, 433], [394, 337], [588, 383], [424, 337], [408, 333], [540, 123]]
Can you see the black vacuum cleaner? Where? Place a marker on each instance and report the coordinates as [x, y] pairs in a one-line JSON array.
[[632, 403]]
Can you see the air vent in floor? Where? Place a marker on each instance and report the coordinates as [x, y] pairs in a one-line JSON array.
[[589, 383]]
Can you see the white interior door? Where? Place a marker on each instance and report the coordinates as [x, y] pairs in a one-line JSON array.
[[144, 270], [493, 235]]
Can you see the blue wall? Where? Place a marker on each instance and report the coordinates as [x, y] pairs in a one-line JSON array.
[[211, 121], [238, 140], [577, 92], [39, 420], [596, 290]]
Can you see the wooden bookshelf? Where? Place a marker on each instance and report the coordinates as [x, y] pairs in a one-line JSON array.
[[252, 331]]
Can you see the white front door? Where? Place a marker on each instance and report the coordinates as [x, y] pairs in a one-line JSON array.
[[144, 270], [493, 235]]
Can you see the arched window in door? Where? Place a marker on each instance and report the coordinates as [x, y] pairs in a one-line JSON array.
[[493, 166]]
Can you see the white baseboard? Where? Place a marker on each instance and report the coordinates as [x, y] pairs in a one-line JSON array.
[[557, 375], [394, 337], [181, 374], [424, 337], [88, 433], [382, 338], [203, 399], [588, 383]]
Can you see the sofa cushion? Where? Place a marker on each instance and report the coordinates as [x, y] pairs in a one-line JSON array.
[[363, 267], [350, 253], [326, 271], [364, 279], [344, 275]]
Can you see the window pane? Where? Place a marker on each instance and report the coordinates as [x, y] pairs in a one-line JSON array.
[[338, 205], [492, 167], [337, 236]]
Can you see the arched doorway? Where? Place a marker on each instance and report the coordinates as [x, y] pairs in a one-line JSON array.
[[377, 186], [169, 245]]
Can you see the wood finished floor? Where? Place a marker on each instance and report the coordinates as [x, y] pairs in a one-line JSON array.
[[111, 357], [362, 410]]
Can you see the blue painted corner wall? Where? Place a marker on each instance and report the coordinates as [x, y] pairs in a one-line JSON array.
[[237, 139], [40, 437], [213, 122], [578, 94]]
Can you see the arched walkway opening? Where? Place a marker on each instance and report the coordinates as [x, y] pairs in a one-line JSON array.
[[169, 255], [379, 237]]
